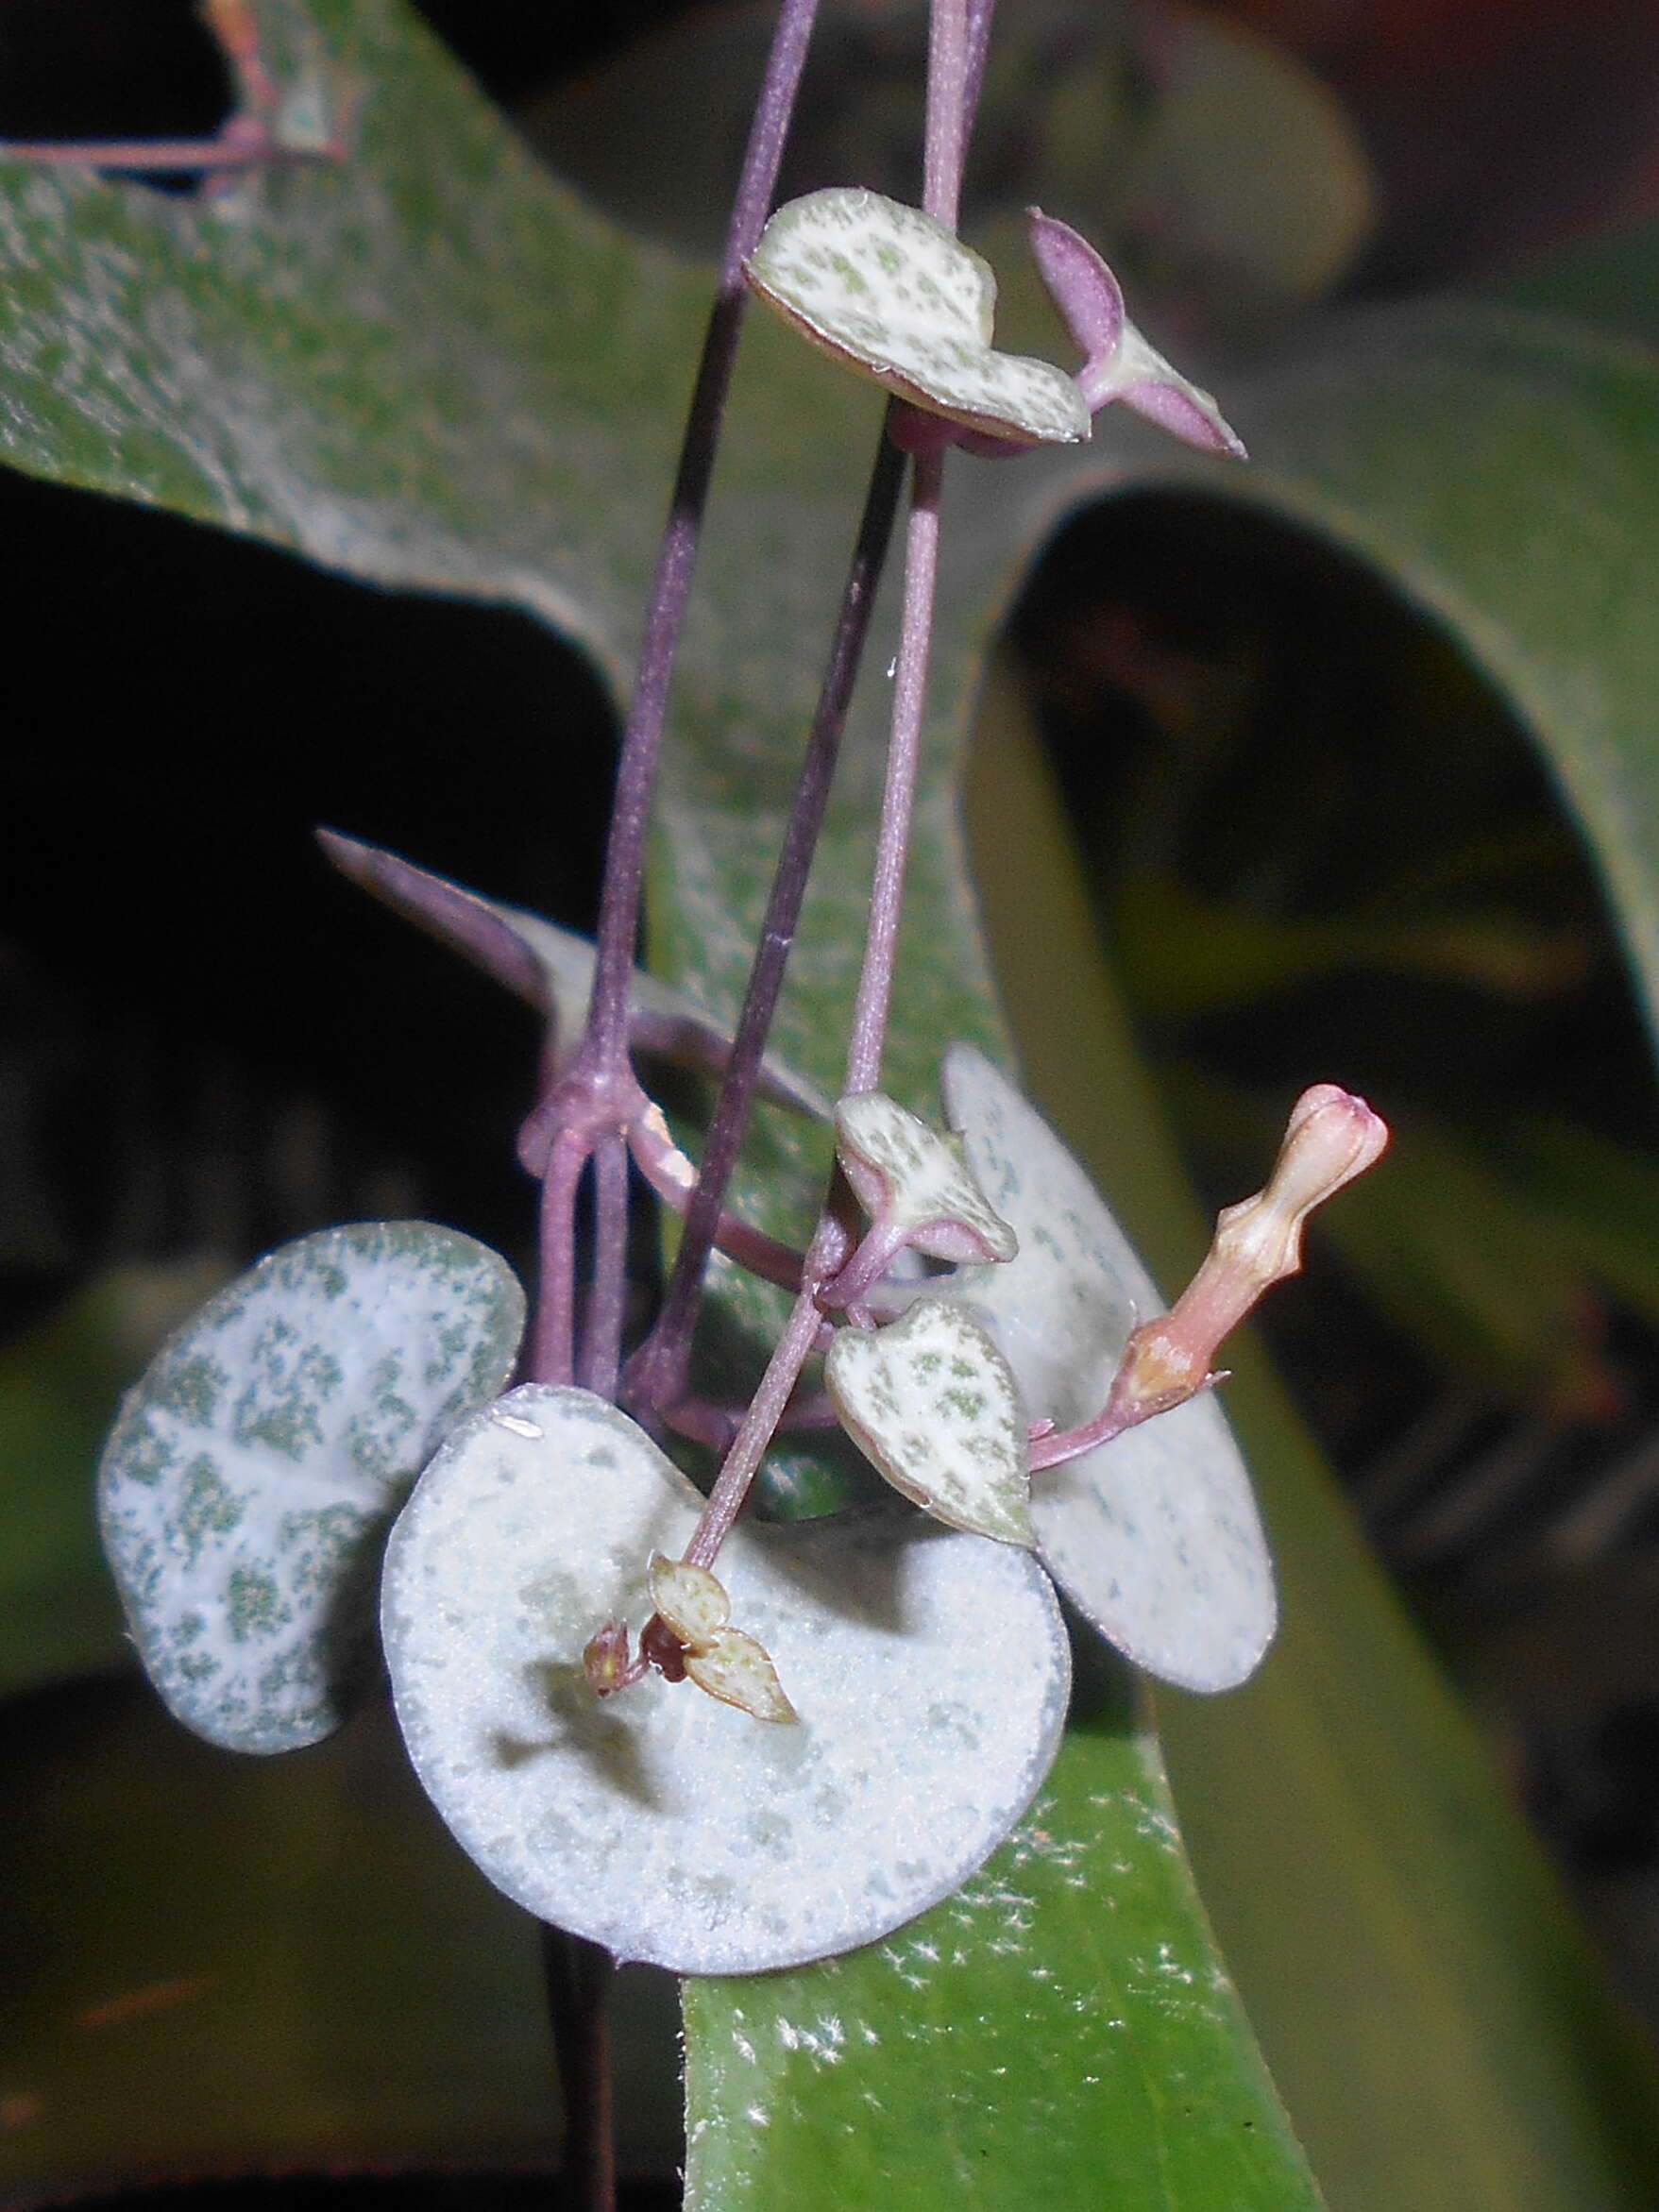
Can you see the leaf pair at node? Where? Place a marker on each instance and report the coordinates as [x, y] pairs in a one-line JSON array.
[[1154, 1534], [694, 1611], [891, 292]]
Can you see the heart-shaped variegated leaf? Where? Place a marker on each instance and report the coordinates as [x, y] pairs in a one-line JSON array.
[[931, 1401], [889, 291], [910, 1179], [1155, 1536], [247, 1487], [928, 1673]]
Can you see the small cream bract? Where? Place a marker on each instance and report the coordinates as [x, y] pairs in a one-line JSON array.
[[690, 1598], [886, 290], [733, 1667], [723, 1661]]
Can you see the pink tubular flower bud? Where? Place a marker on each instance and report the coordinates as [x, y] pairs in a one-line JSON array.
[[1332, 1137]]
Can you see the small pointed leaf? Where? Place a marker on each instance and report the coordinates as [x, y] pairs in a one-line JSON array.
[[690, 1599], [929, 1674], [738, 1671], [1154, 1537], [551, 967], [249, 1480], [906, 1174], [932, 1403], [885, 289]]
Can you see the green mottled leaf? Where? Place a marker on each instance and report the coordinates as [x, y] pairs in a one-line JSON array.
[[247, 1485], [1058, 2033], [663, 1823], [907, 1177]]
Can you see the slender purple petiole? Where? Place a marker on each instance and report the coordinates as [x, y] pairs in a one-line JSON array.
[[951, 64], [657, 1374], [599, 1092]]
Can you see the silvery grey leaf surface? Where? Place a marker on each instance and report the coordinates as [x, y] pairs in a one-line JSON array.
[[886, 289], [254, 1469], [929, 1672]]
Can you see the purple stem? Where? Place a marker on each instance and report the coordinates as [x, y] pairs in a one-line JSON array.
[[875, 981], [552, 1353], [949, 64], [576, 1976], [236, 151], [601, 1334], [598, 1091], [618, 923], [766, 1410], [657, 1373]]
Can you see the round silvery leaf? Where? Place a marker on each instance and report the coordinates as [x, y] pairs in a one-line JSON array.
[[928, 1670], [251, 1476], [931, 1401], [886, 289], [1154, 1537]]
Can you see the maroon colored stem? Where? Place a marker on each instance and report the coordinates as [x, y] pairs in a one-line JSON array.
[[955, 56], [619, 924], [600, 1087], [601, 1333], [657, 1373], [875, 981], [577, 1975], [777, 1386]]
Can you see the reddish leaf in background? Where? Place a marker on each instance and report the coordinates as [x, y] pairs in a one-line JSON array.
[[1497, 127]]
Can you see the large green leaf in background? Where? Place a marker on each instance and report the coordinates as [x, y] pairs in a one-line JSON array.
[[430, 367]]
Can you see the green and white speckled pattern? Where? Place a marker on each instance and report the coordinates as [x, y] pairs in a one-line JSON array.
[[933, 1403], [1154, 1537], [888, 290], [917, 1178], [929, 1671], [247, 1485]]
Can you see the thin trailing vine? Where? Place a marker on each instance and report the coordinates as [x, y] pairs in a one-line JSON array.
[[503, 1609]]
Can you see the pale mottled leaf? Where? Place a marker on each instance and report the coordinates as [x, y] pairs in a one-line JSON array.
[[249, 1483], [885, 289], [660, 1822], [909, 1176], [931, 1401]]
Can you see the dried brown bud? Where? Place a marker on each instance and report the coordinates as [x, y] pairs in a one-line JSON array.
[[605, 1661]]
